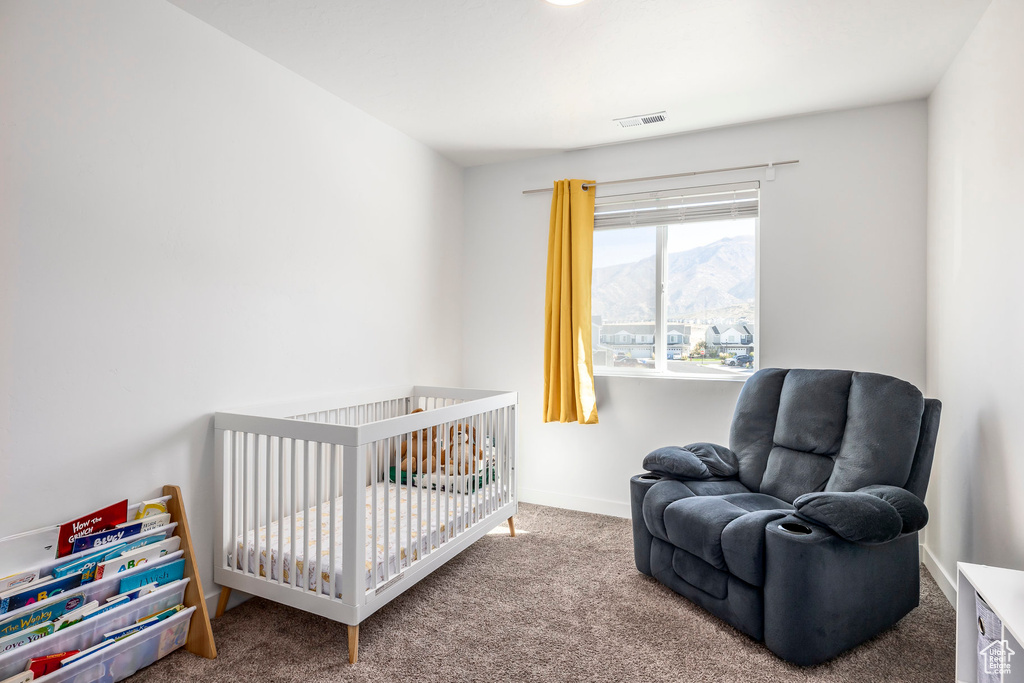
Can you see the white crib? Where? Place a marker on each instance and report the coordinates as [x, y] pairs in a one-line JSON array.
[[338, 460]]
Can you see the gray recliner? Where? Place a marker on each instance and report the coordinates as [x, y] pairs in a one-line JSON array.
[[803, 533]]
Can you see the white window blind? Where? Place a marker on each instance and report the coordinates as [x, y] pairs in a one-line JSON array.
[[665, 207]]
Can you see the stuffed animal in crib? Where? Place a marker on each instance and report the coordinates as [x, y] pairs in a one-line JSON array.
[[422, 448], [463, 449]]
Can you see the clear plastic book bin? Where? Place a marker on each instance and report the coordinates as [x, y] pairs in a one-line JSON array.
[[118, 661]]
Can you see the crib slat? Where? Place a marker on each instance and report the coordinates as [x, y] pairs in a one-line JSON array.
[[408, 508], [306, 453], [319, 518], [269, 485], [278, 564], [392, 448], [293, 573], [449, 500], [234, 502], [424, 464], [398, 514], [244, 555], [334, 494], [373, 509], [462, 491]]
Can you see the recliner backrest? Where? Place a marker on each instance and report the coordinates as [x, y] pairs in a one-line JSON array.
[[798, 431]]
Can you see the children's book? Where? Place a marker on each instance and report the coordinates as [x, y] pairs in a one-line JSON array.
[[108, 537], [38, 592], [149, 523], [72, 618], [172, 571], [162, 614], [140, 591], [23, 588], [112, 603], [85, 566], [8, 643], [40, 615], [23, 677], [29, 549], [117, 551], [151, 507], [137, 557], [129, 630], [106, 518], [85, 653], [40, 666], [18, 580]]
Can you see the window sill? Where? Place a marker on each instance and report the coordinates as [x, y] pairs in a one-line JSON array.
[[720, 375]]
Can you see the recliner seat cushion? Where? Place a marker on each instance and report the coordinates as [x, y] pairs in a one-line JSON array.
[[726, 532]]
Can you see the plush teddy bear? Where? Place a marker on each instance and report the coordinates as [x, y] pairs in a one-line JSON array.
[[422, 449], [463, 449]]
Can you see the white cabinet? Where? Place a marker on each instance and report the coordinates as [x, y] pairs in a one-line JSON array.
[[1003, 591]]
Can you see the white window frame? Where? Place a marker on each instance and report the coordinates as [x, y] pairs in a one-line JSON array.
[[661, 370]]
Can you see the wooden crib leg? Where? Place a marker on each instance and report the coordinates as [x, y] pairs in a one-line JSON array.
[[222, 604], [511, 528], [353, 644]]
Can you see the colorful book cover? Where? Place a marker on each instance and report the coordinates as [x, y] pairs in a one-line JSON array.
[[134, 545], [17, 580], [20, 638], [42, 614], [151, 507], [112, 603], [162, 614], [151, 522], [85, 566], [40, 666], [122, 633], [38, 593], [72, 618], [172, 571], [106, 518], [138, 557], [108, 537]]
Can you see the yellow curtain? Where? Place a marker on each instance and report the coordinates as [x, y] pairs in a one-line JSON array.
[[568, 361]]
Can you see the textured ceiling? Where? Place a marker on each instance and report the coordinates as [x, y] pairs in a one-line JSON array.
[[490, 80]]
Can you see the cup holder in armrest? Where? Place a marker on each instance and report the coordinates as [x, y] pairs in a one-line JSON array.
[[795, 528], [650, 477]]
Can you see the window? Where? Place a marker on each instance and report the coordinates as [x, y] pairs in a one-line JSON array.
[[674, 282]]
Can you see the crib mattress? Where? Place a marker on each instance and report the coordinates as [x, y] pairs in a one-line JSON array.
[[449, 513]]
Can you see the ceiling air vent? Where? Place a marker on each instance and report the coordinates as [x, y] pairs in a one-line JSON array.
[[642, 120]]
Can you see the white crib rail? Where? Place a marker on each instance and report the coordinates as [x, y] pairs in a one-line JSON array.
[[274, 471]]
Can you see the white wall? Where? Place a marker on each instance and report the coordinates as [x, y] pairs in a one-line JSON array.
[[842, 282], [975, 242], [186, 227]]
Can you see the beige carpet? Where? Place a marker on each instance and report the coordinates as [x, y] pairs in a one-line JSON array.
[[561, 602]]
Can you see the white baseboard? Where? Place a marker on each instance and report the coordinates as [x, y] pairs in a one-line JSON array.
[[945, 581], [560, 500], [236, 599]]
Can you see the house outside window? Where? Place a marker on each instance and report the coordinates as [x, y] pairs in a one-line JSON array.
[[675, 281]]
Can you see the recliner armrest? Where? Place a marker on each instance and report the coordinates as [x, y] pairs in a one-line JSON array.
[[873, 514], [694, 461]]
